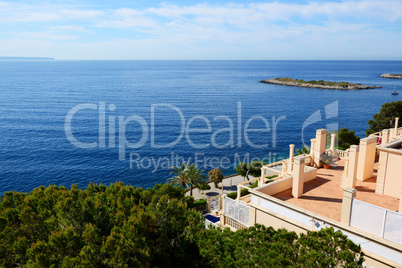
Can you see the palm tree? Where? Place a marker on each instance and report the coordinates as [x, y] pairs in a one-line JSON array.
[[180, 175], [187, 175], [195, 177], [305, 150]]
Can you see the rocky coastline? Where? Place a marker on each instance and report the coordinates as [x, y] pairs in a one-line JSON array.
[[393, 76], [317, 84]]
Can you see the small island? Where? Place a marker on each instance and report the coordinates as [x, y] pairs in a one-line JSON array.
[[393, 76], [285, 81]]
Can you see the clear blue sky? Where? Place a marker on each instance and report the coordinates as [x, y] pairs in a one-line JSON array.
[[227, 30]]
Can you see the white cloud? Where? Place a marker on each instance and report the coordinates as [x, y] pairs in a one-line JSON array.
[[45, 35], [69, 28], [210, 30]]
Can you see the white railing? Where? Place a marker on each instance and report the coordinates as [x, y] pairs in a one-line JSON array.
[[234, 224], [342, 154], [214, 203], [378, 221], [237, 211]]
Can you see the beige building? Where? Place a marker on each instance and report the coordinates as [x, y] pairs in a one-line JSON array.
[[360, 194]]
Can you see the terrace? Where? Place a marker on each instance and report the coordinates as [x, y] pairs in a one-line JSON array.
[[360, 195], [323, 195]]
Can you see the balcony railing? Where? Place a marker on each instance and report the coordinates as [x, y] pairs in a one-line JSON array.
[[342, 154], [238, 211], [378, 221]]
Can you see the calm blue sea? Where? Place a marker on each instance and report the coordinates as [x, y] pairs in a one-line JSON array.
[[160, 112]]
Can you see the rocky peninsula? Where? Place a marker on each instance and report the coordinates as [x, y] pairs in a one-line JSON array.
[[285, 81], [393, 76]]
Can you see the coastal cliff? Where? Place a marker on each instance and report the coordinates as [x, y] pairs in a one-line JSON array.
[[393, 76], [317, 84]]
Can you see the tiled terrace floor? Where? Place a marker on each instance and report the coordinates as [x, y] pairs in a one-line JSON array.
[[324, 194]]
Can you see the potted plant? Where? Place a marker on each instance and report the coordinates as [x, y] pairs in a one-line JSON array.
[[326, 160]]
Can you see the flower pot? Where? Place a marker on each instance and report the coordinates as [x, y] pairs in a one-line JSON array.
[[326, 166]]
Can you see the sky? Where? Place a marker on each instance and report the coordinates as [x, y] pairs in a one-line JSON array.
[[209, 30]]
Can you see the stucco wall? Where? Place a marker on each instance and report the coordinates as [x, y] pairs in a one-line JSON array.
[[393, 177], [284, 215], [284, 184]]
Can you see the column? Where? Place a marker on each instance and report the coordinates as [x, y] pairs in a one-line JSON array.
[[345, 173], [298, 177], [238, 192], [385, 136], [382, 168], [352, 166], [222, 213], [365, 167], [321, 140], [262, 179], [291, 153], [348, 195], [312, 148], [396, 127], [333, 136]]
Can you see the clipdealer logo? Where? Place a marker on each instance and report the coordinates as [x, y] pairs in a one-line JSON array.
[[112, 129], [118, 124]]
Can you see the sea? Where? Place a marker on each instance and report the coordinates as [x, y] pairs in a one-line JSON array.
[[76, 122]]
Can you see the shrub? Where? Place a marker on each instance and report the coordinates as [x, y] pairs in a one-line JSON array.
[[188, 199], [346, 138], [199, 205], [204, 186], [215, 176], [255, 168], [243, 191]]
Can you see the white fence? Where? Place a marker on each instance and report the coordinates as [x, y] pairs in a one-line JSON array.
[[342, 154], [237, 211], [215, 204], [376, 220]]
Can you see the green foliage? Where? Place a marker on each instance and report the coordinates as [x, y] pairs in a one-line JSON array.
[[195, 176], [346, 138], [204, 186], [254, 185], [233, 195], [255, 168], [215, 176], [179, 175], [270, 178], [241, 169], [199, 205], [101, 226], [243, 191], [385, 118], [326, 159], [124, 226], [304, 150], [188, 199], [187, 175], [261, 246], [319, 82], [328, 248]]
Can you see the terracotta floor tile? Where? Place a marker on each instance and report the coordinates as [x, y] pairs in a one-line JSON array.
[[323, 195]]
